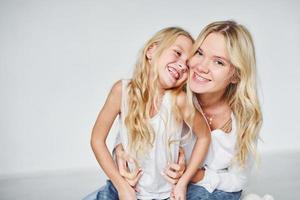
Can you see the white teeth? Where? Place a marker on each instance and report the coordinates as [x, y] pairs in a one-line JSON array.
[[200, 78], [173, 72]]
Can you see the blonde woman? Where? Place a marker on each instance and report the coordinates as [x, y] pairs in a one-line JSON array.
[[151, 108], [222, 81]]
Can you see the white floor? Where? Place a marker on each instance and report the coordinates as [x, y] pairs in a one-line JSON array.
[[277, 175]]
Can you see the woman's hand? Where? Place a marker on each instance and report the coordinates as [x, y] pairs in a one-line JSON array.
[[174, 171], [198, 175], [123, 159]]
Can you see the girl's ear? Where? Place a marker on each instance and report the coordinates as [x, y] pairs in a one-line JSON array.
[[150, 51]]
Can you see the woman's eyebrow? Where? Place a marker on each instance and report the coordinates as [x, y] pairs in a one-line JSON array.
[[223, 58]]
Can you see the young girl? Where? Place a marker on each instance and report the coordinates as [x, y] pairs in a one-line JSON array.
[[223, 81], [152, 108]]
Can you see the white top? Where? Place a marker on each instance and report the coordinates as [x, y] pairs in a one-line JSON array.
[[221, 172], [152, 184]]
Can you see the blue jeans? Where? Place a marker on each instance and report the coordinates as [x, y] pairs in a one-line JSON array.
[[107, 192], [196, 192]]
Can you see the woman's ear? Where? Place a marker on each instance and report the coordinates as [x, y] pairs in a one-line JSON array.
[[234, 79], [150, 51]]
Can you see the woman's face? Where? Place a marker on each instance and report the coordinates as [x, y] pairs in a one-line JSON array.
[[210, 67]]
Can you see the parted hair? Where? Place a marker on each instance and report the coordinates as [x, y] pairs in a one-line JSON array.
[[241, 96]]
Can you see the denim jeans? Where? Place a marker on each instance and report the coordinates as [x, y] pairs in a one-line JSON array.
[[107, 192], [196, 192]]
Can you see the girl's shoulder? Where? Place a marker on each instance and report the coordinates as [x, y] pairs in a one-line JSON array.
[[120, 85], [116, 91], [117, 87], [181, 99]]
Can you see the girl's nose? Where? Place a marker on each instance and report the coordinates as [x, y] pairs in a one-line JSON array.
[[182, 67]]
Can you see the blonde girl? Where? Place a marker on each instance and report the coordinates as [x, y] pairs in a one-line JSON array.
[[151, 108]]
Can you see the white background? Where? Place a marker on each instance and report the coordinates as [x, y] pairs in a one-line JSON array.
[[58, 60]]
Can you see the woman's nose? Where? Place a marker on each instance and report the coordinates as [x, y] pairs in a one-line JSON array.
[[203, 66]]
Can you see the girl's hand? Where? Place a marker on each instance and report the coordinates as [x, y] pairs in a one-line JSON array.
[[174, 171], [127, 193], [179, 192], [123, 160]]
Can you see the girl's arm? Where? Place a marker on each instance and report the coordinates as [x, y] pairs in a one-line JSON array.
[[104, 121], [201, 130]]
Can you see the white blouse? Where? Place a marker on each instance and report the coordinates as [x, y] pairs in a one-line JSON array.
[[220, 171], [152, 185]]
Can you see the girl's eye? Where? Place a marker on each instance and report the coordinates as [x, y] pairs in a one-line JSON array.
[[198, 52], [178, 53]]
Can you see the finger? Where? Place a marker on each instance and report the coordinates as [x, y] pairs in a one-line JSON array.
[[170, 180], [136, 189], [174, 166], [134, 181], [181, 156], [172, 174]]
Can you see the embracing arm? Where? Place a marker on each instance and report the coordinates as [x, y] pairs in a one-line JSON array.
[[100, 131], [231, 180]]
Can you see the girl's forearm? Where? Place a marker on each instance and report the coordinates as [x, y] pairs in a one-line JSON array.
[[108, 165], [197, 157]]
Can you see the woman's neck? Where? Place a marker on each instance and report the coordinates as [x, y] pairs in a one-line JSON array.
[[216, 110], [210, 101]]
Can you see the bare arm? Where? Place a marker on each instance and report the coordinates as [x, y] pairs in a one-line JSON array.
[[201, 130], [104, 121]]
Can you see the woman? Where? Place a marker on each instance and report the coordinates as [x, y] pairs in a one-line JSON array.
[[223, 85]]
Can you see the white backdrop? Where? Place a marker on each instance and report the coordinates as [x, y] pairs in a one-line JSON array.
[[58, 60]]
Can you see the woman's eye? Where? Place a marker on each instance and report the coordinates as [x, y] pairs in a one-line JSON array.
[[218, 62]]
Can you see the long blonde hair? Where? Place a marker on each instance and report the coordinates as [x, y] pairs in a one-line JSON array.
[[144, 96], [241, 96]]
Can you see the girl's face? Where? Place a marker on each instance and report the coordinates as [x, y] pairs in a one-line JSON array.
[[172, 63], [210, 67]]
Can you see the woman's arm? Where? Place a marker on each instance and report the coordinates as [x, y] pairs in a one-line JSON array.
[[231, 180], [104, 121]]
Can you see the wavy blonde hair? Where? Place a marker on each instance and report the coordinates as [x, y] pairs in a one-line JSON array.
[[241, 96], [143, 96]]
